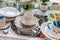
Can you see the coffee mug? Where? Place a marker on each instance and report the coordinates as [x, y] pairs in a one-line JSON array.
[[57, 23]]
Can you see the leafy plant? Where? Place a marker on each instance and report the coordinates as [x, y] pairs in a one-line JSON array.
[[43, 1], [28, 5]]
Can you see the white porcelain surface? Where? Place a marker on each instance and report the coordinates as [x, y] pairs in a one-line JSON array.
[[9, 12], [48, 33], [54, 28]]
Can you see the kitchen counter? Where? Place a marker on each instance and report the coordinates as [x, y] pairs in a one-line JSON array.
[[12, 36]]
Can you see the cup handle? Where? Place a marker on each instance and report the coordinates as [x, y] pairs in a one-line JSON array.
[[49, 26]]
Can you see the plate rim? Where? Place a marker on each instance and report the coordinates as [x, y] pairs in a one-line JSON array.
[[44, 32], [2, 9]]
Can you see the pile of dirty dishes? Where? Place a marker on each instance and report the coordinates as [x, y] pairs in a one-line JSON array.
[[27, 24]]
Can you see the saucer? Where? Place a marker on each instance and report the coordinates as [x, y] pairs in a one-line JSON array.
[[47, 32], [31, 23]]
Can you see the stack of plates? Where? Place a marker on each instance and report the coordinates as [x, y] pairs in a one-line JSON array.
[[28, 30], [10, 13]]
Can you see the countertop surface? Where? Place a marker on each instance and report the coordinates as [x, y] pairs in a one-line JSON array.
[[11, 36]]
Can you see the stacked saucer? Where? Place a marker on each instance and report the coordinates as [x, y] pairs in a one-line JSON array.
[[27, 23]]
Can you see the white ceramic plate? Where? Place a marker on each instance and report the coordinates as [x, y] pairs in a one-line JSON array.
[[52, 33], [30, 23], [10, 12], [17, 21], [43, 26], [19, 27], [48, 32]]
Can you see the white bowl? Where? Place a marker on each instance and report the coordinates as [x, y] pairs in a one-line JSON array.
[[9, 12]]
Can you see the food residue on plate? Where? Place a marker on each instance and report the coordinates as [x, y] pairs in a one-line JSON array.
[[41, 35], [56, 15]]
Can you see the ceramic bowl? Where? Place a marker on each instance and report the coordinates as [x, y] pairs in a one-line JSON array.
[[10, 12]]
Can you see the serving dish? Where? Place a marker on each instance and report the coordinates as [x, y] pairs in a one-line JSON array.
[[10, 13]]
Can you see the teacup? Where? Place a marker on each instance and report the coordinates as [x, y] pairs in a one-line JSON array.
[[55, 26], [28, 19]]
